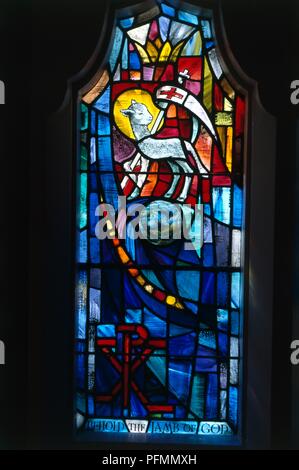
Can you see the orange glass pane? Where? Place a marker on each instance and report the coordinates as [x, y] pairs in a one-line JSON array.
[[204, 148], [97, 89], [229, 148], [171, 112]]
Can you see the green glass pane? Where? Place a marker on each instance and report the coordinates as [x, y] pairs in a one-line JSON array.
[[84, 117], [83, 152], [83, 200]]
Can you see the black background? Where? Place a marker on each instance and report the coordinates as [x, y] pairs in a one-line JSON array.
[[43, 44]]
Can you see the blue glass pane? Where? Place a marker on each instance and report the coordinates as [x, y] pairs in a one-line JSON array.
[[93, 122], [179, 374], [210, 44], [198, 395], [125, 55], [94, 250], [93, 155], [154, 324], [157, 365], [127, 22], [103, 410], [95, 278], [110, 189], [212, 397], [208, 288], [179, 31], [164, 26], [93, 204], [193, 46], [183, 345], [81, 294], [188, 17], [223, 343], [206, 29], [80, 368], [93, 182], [175, 330], [80, 346], [94, 305], [105, 155], [106, 331], [117, 43], [222, 319], [208, 254], [90, 405], [235, 323], [207, 338], [233, 404], [167, 10], [222, 289], [134, 61], [137, 408], [238, 203], [235, 301], [83, 247], [103, 125], [103, 103], [222, 238], [188, 284], [221, 204], [151, 276], [206, 364], [207, 209], [192, 306], [134, 316]]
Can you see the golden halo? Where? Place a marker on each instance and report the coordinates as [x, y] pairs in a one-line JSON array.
[[123, 102]]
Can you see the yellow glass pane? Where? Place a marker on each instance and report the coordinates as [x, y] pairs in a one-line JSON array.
[[176, 51], [97, 89], [123, 102], [228, 89], [222, 136], [164, 55], [140, 280], [143, 54], [152, 51], [207, 86], [224, 119], [227, 105], [229, 148], [170, 300], [158, 43]]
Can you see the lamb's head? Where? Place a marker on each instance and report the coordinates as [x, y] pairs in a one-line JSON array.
[[138, 114]]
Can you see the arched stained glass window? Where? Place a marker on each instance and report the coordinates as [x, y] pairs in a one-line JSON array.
[[159, 317]]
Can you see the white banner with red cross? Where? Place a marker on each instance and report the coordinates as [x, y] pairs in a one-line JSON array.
[[182, 97]]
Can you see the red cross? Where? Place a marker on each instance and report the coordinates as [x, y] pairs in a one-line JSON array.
[[133, 336], [172, 93]]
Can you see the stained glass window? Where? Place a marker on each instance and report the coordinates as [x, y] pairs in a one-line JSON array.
[[158, 318]]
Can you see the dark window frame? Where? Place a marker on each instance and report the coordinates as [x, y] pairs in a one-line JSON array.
[[259, 165]]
